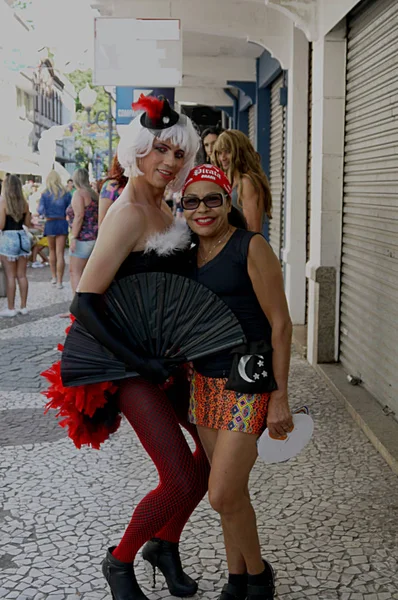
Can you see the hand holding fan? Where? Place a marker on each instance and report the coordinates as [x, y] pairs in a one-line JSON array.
[[159, 316], [272, 450]]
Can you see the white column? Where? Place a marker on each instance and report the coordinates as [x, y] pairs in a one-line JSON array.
[[294, 252], [323, 268]]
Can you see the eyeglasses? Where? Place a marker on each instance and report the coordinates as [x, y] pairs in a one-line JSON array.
[[213, 200]]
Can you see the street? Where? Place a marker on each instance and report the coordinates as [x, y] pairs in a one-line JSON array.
[[328, 520]]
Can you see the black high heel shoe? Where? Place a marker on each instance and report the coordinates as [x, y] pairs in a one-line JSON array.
[[166, 557], [121, 578]]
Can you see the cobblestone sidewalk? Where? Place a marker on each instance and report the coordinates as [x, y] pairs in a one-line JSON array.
[[327, 520]]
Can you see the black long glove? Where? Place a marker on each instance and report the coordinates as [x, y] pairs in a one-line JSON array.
[[89, 309]]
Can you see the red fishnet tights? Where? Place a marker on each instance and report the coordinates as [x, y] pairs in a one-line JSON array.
[[183, 475]]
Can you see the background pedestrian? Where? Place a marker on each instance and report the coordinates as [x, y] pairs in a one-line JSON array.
[[15, 244], [53, 204], [111, 188], [209, 138], [236, 156], [82, 216]]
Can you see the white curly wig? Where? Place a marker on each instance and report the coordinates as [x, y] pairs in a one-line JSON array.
[[137, 142]]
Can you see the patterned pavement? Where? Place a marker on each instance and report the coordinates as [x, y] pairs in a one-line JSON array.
[[328, 520]]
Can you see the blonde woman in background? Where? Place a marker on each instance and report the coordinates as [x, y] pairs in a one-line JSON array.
[[82, 216], [53, 204], [15, 244], [236, 156]]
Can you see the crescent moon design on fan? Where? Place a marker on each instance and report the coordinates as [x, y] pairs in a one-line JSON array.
[[242, 367]]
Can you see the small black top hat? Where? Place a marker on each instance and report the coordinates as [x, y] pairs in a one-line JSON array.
[[158, 113]]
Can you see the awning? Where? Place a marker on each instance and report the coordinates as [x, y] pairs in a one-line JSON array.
[[20, 166]]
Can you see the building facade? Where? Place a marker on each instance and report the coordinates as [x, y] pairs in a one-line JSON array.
[[34, 97], [54, 104], [314, 85]]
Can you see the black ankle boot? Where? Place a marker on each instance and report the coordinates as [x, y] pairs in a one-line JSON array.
[[232, 592], [264, 590], [166, 557], [121, 578]]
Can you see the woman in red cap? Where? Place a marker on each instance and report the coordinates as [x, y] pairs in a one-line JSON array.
[[158, 151], [233, 398]]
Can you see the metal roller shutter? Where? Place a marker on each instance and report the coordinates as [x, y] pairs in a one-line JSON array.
[[369, 281], [252, 125], [277, 166]]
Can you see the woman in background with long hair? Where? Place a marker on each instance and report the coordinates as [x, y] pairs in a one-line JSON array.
[[53, 204], [209, 137], [111, 188], [236, 156], [15, 244], [82, 216]]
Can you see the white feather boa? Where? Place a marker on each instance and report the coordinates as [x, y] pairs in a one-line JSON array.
[[177, 237]]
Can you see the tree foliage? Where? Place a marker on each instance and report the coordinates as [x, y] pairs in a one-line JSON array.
[[80, 79], [90, 139]]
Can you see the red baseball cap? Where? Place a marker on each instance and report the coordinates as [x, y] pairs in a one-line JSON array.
[[208, 173]]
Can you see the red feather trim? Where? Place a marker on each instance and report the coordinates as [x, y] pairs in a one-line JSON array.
[[151, 105], [72, 319], [77, 405]]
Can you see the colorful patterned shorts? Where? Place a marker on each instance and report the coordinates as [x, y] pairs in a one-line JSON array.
[[211, 405]]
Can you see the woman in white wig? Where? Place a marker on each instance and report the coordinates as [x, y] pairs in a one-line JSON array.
[[158, 151]]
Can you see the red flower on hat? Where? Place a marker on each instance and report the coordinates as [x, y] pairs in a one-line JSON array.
[[151, 105]]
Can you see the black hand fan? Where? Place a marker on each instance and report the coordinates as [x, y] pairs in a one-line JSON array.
[[159, 315]]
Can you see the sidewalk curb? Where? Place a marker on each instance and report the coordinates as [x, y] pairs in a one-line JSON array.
[[382, 430]]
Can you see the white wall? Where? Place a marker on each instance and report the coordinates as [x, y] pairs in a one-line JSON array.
[[294, 253], [328, 114], [331, 12]]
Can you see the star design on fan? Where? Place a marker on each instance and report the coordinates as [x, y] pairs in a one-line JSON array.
[[260, 363], [256, 376], [264, 374]]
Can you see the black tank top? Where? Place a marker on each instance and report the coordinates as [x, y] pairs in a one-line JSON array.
[[227, 276], [12, 225]]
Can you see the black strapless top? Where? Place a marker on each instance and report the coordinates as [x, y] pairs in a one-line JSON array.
[[144, 262]]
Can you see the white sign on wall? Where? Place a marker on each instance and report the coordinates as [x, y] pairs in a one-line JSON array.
[[138, 52]]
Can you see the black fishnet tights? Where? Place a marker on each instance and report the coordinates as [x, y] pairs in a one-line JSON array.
[[183, 475]]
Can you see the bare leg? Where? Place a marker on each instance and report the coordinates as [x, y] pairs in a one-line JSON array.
[[76, 268], [236, 562], [22, 280], [53, 256], [60, 243], [233, 458], [35, 251], [10, 271], [42, 254]]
